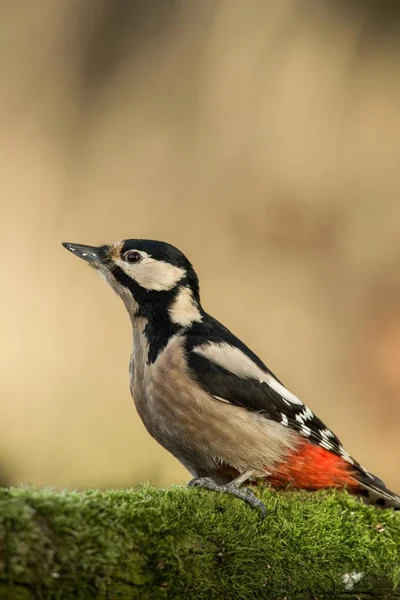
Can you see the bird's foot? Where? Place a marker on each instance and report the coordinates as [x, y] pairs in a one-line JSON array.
[[245, 494]]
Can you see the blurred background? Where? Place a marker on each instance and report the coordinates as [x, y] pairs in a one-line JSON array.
[[260, 137]]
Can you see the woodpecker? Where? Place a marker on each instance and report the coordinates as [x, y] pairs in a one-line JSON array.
[[206, 397]]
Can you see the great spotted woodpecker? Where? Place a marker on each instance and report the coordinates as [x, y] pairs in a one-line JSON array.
[[206, 397]]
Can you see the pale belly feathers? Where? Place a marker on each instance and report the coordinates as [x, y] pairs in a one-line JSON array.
[[204, 433]]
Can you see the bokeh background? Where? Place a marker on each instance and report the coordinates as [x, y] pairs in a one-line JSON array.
[[263, 139]]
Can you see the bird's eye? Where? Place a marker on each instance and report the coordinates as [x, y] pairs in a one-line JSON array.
[[132, 256]]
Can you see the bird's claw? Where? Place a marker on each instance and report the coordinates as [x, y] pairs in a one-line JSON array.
[[245, 494]]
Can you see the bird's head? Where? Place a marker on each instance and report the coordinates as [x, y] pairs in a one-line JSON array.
[[151, 277]]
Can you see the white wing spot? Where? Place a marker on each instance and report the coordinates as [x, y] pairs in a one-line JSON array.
[[305, 430], [282, 391], [237, 362], [285, 420], [327, 445], [346, 455], [367, 473], [300, 418], [326, 433], [221, 399], [307, 413]]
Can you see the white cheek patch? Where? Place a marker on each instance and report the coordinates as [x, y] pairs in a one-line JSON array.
[[151, 274], [234, 360], [184, 310]]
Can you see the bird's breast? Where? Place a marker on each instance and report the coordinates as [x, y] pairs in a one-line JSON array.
[[138, 371], [197, 428], [158, 389]]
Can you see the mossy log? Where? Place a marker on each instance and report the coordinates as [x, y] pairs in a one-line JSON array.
[[181, 543]]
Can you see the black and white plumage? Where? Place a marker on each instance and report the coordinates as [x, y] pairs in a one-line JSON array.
[[205, 396]]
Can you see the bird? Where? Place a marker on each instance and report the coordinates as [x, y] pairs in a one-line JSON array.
[[207, 398]]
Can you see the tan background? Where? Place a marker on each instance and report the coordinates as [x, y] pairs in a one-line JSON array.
[[262, 138]]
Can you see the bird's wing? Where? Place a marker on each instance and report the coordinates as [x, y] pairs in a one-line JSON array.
[[230, 374], [227, 373]]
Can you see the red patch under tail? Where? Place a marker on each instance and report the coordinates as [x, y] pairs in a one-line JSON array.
[[311, 467]]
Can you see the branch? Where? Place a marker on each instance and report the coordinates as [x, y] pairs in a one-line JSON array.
[[191, 544]]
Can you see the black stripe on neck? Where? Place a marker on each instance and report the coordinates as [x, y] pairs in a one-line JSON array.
[[154, 305], [138, 292]]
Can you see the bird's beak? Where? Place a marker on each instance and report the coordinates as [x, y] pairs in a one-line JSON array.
[[91, 254]]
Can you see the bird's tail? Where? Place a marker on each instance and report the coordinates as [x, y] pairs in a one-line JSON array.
[[374, 491]]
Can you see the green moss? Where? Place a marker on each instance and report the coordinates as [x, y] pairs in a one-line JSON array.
[[181, 543]]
